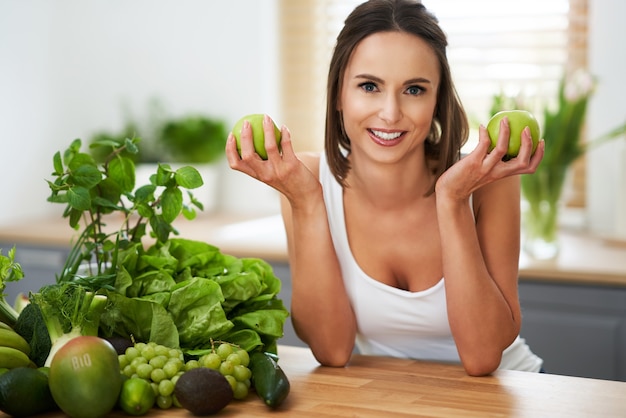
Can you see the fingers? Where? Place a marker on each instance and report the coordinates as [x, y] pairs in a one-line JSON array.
[[285, 151], [269, 135], [484, 143], [526, 161], [501, 148], [232, 155], [526, 147], [246, 140], [537, 156]]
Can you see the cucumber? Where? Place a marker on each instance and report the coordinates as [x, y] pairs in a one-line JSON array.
[[269, 380]]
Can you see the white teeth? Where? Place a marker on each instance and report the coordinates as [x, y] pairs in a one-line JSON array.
[[387, 136]]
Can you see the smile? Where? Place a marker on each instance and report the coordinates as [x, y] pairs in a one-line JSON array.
[[386, 136]]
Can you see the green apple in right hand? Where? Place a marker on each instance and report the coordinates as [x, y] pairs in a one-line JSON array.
[[518, 120], [258, 136]]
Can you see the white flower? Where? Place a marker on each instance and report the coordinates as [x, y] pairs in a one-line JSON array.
[[578, 85]]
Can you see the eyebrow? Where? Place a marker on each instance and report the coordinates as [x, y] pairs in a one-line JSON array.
[[381, 81]]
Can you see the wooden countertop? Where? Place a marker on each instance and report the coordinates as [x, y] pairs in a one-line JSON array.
[[380, 387], [583, 259]]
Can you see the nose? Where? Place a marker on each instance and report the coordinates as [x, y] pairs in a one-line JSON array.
[[390, 110]]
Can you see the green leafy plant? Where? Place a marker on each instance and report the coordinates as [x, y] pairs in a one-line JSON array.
[[92, 192], [129, 130], [10, 271], [173, 291], [193, 139]]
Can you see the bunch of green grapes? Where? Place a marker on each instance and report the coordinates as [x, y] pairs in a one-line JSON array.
[[232, 362], [161, 366]]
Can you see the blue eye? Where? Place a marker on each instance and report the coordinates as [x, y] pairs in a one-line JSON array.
[[414, 90], [368, 87]]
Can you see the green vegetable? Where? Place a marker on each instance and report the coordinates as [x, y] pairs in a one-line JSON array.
[[30, 325], [172, 291], [186, 293], [24, 392], [93, 191], [68, 311], [10, 271], [269, 380]]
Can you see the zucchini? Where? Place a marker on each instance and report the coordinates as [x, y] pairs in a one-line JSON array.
[[269, 380]]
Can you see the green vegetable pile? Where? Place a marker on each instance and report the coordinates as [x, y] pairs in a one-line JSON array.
[[186, 293], [135, 280]]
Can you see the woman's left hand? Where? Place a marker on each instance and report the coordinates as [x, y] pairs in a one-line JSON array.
[[481, 167]]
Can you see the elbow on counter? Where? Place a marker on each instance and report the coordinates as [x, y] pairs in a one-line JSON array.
[[481, 366], [332, 359], [332, 355]]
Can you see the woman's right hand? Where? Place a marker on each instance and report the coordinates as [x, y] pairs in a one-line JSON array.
[[282, 170]]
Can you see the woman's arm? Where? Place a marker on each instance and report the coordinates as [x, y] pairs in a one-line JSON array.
[[320, 309], [321, 312], [481, 253]]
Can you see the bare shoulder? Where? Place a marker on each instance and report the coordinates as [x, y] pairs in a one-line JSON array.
[[312, 161]]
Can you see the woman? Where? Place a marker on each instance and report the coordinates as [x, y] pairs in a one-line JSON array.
[[394, 241]]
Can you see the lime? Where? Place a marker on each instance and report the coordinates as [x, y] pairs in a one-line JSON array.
[[137, 396]]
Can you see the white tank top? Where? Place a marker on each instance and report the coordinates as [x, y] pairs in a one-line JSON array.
[[395, 322]]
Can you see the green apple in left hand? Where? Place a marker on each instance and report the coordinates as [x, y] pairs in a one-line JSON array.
[[518, 120], [258, 136]]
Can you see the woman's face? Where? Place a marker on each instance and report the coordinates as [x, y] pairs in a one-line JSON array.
[[389, 94]]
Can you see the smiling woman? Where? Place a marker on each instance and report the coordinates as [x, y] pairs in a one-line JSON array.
[[415, 266], [493, 48]]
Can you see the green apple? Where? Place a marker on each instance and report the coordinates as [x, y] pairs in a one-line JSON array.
[[518, 120], [258, 136]]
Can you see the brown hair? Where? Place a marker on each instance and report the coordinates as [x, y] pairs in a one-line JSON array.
[[450, 127]]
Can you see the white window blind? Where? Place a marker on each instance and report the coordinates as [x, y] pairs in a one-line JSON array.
[[522, 51], [494, 46]]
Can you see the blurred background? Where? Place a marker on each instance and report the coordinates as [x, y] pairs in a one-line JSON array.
[[72, 69]]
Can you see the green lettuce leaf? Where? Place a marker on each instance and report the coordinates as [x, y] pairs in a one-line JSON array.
[[196, 307]]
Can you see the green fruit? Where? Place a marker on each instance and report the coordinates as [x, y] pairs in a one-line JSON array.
[[258, 136], [85, 378], [203, 391], [24, 392], [137, 396], [518, 120]]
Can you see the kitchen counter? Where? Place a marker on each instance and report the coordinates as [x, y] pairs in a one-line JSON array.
[[379, 386], [583, 258], [574, 307]]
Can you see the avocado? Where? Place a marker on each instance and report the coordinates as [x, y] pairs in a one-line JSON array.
[[120, 343], [24, 392], [203, 391]]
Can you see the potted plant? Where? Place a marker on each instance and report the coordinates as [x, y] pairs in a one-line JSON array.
[[190, 140], [563, 126], [195, 139]]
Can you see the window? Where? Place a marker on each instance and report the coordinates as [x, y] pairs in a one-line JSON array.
[[493, 47]]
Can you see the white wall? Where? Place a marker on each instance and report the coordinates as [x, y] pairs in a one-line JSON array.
[[69, 68], [606, 174]]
